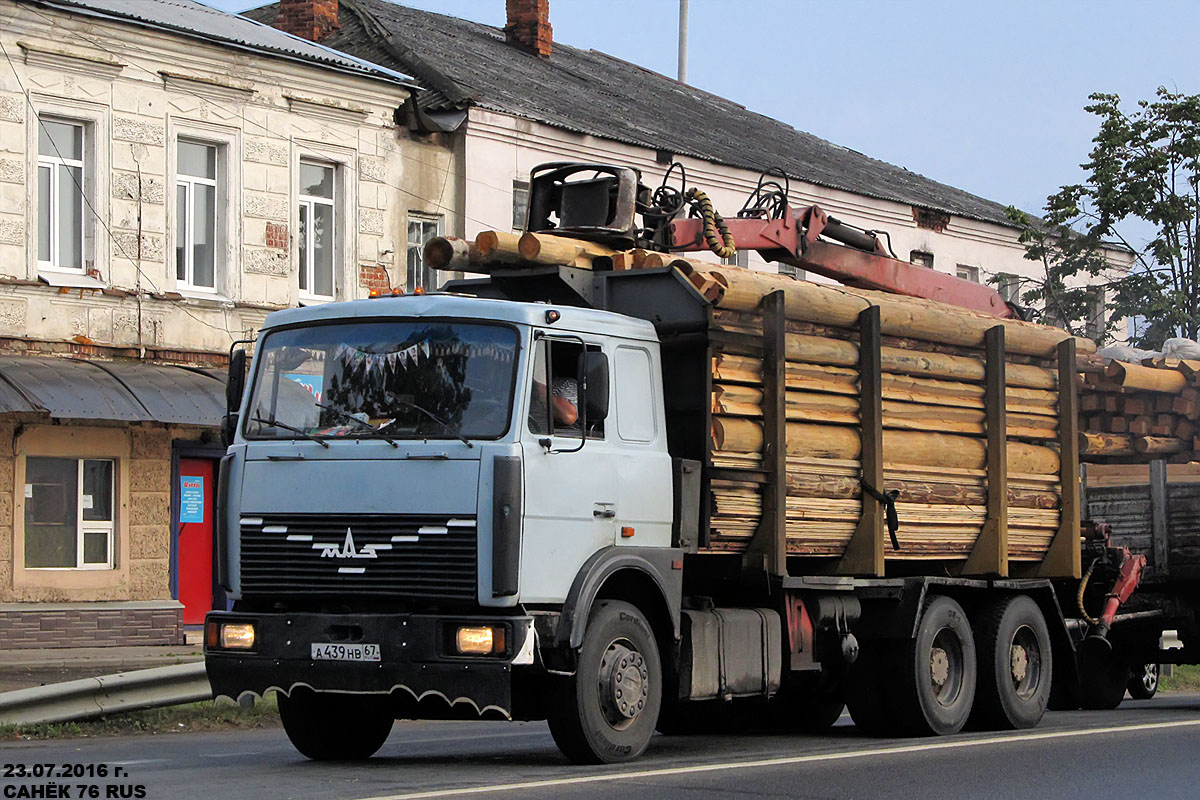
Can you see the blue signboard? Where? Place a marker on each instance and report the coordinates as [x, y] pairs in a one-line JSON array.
[[191, 498]]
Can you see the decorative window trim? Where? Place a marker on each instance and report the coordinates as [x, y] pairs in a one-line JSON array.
[[326, 110], [228, 142], [209, 88], [93, 65]]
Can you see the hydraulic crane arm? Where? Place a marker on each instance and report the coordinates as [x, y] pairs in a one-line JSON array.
[[860, 260]]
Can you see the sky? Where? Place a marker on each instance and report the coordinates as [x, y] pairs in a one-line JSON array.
[[984, 95]]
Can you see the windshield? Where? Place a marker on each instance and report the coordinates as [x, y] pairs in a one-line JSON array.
[[391, 380]]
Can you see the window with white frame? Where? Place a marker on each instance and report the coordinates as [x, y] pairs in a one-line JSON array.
[[60, 186], [967, 272], [739, 259], [421, 228], [520, 205], [196, 215], [69, 513], [1009, 287], [317, 225]]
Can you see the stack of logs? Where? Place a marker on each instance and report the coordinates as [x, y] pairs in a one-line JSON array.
[[934, 437], [933, 383], [1140, 412]]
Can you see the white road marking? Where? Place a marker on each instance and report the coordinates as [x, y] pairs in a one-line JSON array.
[[924, 747]]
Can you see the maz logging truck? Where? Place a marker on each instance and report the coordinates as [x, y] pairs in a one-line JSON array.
[[621, 490]]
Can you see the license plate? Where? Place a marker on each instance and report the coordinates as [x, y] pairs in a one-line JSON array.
[[345, 652]]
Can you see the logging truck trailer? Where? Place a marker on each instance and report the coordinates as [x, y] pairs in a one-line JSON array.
[[411, 526]]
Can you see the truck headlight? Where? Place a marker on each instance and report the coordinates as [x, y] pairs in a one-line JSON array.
[[237, 635], [479, 640]]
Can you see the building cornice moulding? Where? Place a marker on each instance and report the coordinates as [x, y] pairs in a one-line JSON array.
[[209, 88], [330, 111], [93, 65]]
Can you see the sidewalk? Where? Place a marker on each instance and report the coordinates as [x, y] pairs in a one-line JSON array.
[[22, 669]]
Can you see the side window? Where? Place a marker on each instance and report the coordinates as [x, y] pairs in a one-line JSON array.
[[68, 513], [318, 226], [421, 228], [554, 396], [196, 215], [60, 194], [634, 381]]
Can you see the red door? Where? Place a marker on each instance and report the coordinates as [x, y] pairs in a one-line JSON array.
[[196, 491]]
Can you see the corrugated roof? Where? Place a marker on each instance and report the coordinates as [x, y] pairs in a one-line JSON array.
[[585, 91], [198, 21], [69, 388]]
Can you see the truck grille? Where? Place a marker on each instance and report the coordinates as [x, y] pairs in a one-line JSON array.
[[419, 556]]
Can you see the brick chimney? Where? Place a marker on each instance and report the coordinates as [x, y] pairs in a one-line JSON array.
[[309, 19], [529, 26]]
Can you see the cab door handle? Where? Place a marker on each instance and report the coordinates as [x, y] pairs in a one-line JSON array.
[[604, 513]]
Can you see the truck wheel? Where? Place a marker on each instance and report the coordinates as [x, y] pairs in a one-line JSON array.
[[334, 727], [1102, 679], [1015, 665], [936, 672], [1144, 683], [606, 712], [865, 687]]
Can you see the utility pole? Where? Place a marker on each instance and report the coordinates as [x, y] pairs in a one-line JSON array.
[[683, 33]]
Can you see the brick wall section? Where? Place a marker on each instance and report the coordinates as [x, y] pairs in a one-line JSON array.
[[71, 627], [311, 19], [374, 277], [528, 26], [277, 235]]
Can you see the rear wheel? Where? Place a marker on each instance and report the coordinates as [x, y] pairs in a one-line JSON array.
[[1015, 666], [1144, 683], [936, 672], [607, 710], [334, 727]]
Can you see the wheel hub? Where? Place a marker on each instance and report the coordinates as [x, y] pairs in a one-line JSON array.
[[1019, 662], [939, 666], [624, 684]]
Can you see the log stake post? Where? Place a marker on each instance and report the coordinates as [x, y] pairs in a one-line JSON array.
[[864, 552], [1063, 557], [770, 540], [989, 556]]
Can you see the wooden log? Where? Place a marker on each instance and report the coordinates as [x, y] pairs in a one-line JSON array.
[[1149, 379], [899, 315], [804, 484], [927, 449], [1157, 445], [499, 246], [546, 248], [1105, 444], [451, 253], [839, 352]]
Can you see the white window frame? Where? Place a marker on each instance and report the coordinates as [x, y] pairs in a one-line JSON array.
[[56, 163], [189, 182], [972, 272], [83, 526], [309, 202], [424, 217]]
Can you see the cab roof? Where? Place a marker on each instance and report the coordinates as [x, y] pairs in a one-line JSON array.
[[573, 318]]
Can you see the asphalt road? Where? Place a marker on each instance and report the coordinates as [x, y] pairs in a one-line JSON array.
[[1143, 749]]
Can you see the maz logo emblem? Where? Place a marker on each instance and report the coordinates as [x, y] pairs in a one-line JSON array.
[[347, 550]]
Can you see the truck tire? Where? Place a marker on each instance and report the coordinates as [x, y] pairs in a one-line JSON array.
[[334, 727], [606, 711], [935, 673], [1143, 684], [865, 687], [1015, 665]]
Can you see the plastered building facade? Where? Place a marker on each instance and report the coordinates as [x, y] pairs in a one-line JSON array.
[[169, 175]]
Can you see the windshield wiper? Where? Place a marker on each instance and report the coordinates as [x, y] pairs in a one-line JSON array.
[[358, 422], [446, 425], [274, 423]]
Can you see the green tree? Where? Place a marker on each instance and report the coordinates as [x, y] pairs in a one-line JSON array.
[[1144, 165]]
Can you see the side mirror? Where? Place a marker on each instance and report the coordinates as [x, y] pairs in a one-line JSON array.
[[593, 385], [235, 385]]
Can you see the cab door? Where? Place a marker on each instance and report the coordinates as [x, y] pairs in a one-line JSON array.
[[570, 500]]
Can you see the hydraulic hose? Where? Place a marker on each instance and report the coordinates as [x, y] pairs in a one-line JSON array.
[[716, 232]]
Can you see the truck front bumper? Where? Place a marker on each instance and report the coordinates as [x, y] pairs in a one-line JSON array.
[[417, 665]]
